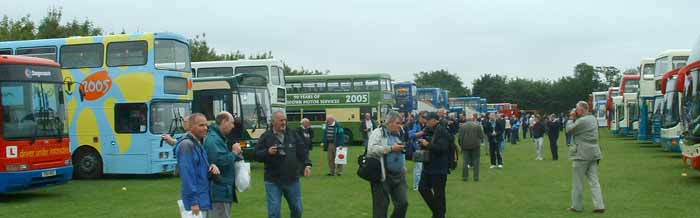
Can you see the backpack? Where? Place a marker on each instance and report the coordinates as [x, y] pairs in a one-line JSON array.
[[369, 169]]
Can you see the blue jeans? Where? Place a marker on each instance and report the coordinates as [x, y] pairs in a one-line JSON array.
[[417, 170], [291, 192]]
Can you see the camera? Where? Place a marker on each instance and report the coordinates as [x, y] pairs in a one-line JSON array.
[[280, 149]]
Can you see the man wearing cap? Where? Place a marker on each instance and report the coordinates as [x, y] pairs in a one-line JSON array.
[[434, 175]]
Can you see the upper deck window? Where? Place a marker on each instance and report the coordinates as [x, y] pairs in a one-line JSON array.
[[134, 53], [82, 56], [39, 52], [172, 55]]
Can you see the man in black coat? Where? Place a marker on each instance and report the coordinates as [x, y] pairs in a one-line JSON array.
[[434, 174], [366, 127], [494, 130], [553, 129], [306, 134]]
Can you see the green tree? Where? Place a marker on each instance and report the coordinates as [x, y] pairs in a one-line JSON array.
[[441, 79], [288, 71], [22, 29], [50, 26], [611, 74], [490, 86]]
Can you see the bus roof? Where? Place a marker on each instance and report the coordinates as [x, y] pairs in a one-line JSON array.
[[232, 63], [673, 52], [405, 83], [337, 77], [646, 61], [15, 59], [91, 39]]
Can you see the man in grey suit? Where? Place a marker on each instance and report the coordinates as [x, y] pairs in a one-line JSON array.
[[585, 153], [470, 137]]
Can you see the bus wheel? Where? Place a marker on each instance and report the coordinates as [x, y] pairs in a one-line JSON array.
[[87, 164], [348, 136]]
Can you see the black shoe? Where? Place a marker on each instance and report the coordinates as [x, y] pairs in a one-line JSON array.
[[339, 174], [599, 211], [330, 174]]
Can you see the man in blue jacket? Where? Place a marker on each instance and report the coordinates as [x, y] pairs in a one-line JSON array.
[[223, 187], [194, 167]]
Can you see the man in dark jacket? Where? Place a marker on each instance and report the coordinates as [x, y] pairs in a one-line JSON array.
[[553, 129], [538, 129], [306, 134], [494, 130], [434, 175], [223, 187], [284, 156], [470, 137], [366, 127]]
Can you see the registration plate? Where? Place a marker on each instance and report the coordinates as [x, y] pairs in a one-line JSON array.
[[48, 173]]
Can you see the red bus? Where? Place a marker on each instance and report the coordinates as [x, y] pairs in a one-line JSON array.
[[34, 146]]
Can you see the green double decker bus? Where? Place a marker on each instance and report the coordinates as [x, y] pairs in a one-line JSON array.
[[345, 97]]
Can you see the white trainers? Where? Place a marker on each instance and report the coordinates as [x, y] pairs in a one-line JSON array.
[[492, 166], [469, 166], [500, 166]]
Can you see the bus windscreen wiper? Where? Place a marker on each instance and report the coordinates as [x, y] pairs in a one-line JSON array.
[[42, 114], [258, 111], [175, 124]]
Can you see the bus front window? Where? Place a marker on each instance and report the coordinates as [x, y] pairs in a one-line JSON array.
[[693, 105], [648, 71], [172, 55], [259, 70], [632, 86], [662, 66], [255, 107], [670, 110], [168, 117], [32, 109]]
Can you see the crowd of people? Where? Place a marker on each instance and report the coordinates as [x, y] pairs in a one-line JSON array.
[[432, 140]]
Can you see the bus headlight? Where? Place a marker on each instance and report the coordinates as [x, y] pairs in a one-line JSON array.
[[163, 155], [243, 143], [16, 167], [674, 142], [68, 162]]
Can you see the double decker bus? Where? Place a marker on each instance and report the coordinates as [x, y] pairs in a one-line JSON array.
[[429, 99], [690, 146], [271, 69], [405, 93], [645, 98], [346, 97], [129, 90], [598, 106], [617, 115], [243, 95], [671, 123], [444, 98], [666, 69], [629, 88], [470, 105], [609, 106], [482, 105], [34, 143]]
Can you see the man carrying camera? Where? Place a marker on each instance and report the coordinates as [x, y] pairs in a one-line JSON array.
[[386, 144], [435, 170], [284, 155]]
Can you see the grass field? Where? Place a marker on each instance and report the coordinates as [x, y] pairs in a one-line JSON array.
[[638, 180]]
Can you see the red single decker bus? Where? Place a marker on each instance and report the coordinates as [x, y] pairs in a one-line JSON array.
[[34, 148]]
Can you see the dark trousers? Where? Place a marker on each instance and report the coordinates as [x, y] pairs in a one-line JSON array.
[[393, 187], [432, 189], [553, 145], [514, 137], [525, 132], [508, 134], [495, 154], [470, 157]]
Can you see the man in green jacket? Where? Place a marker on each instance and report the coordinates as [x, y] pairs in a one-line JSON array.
[[223, 186], [585, 153]]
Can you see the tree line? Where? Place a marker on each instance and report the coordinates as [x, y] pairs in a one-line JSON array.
[[544, 95]]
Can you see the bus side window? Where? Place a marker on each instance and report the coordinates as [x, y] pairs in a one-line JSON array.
[[82, 56], [39, 52], [133, 53], [130, 117], [5, 51]]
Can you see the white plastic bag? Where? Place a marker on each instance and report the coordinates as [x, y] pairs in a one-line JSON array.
[[242, 176], [187, 214], [341, 155]]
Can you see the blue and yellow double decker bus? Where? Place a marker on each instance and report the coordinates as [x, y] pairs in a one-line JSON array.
[[126, 91], [405, 94]]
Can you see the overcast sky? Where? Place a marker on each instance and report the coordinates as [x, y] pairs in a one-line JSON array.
[[538, 39]]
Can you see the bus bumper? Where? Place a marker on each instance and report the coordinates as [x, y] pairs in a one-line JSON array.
[[671, 144], [615, 132], [23, 180], [691, 156]]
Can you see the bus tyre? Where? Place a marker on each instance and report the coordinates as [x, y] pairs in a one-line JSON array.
[[87, 164], [348, 136]]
